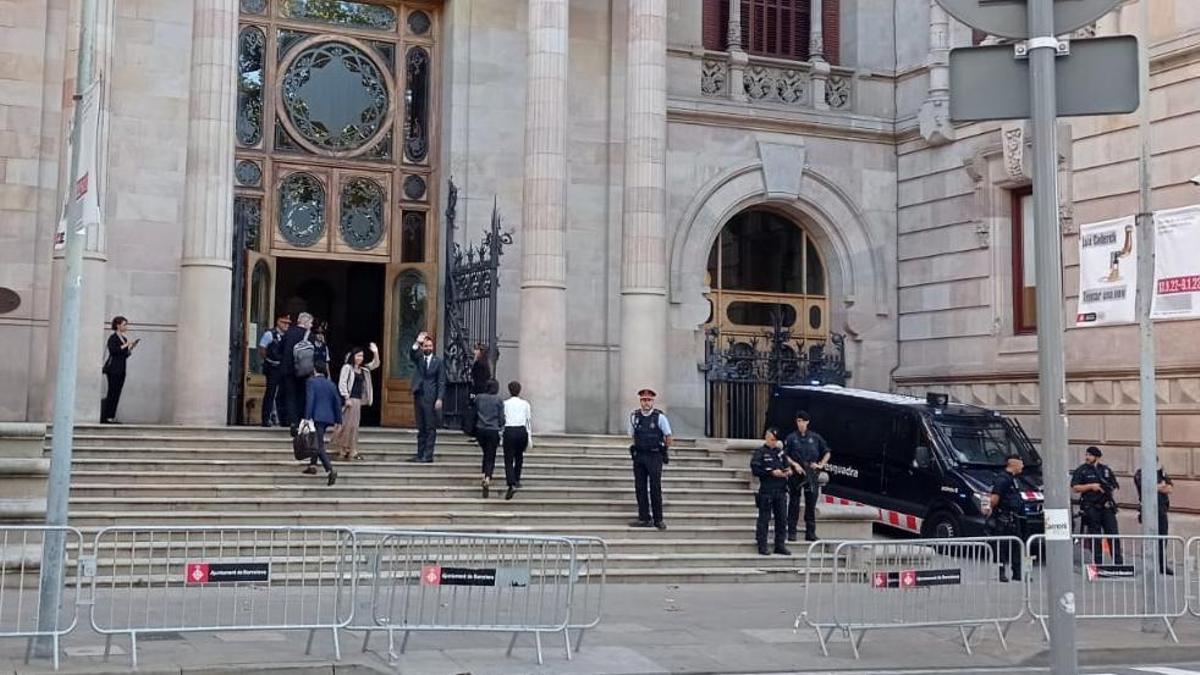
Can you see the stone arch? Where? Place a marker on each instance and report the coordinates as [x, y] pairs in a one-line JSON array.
[[856, 272]]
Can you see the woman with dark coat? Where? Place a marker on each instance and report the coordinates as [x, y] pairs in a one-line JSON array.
[[119, 349], [481, 370], [489, 411]]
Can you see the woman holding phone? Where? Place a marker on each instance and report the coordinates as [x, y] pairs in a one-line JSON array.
[[119, 349]]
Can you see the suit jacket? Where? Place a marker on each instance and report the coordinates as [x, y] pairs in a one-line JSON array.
[[322, 402], [427, 382], [287, 361]]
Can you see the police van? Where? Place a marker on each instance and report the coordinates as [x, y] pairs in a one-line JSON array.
[[927, 465]]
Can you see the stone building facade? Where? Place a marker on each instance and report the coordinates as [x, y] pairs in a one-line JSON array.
[[619, 139]]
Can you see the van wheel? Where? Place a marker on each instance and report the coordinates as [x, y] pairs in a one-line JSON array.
[[942, 525]]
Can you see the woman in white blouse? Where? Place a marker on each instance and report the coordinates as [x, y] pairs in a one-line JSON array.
[[517, 436], [354, 384]]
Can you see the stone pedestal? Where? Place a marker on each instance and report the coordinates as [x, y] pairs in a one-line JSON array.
[[543, 346], [644, 252], [202, 337]]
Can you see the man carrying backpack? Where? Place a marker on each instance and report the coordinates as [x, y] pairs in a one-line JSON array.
[[296, 365], [270, 350]]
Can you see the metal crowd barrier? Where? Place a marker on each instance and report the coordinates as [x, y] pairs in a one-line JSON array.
[[1122, 577], [191, 579], [921, 583], [817, 612], [588, 577], [23, 550], [433, 581]]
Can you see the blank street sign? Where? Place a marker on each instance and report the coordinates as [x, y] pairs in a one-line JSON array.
[[1008, 18], [1099, 77]]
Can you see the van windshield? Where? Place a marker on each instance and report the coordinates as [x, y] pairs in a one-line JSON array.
[[983, 440]]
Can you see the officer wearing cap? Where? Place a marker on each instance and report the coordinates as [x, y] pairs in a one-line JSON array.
[[651, 434], [808, 453], [770, 465], [1095, 483]]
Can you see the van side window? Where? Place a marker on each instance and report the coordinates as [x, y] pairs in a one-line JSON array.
[[864, 433], [906, 435]]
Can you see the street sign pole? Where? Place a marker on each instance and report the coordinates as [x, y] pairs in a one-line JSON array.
[[1060, 598], [1148, 406], [54, 543]]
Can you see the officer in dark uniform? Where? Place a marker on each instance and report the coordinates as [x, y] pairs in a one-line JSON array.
[[651, 433], [771, 467], [807, 453], [1004, 520], [1165, 486], [1095, 483]]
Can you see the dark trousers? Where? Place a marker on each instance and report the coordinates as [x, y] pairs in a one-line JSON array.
[[1099, 520], [270, 397], [516, 440], [321, 454], [108, 407], [798, 486], [647, 483], [1010, 553], [293, 397], [489, 440], [426, 425], [771, 506]]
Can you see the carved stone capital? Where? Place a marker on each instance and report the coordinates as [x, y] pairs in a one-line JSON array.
[[934, 120]]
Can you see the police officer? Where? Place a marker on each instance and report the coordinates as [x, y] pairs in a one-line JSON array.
[[1004, 519], [1095, 483], [770, 465], [651, 433], [808, 454], [1165, 486]]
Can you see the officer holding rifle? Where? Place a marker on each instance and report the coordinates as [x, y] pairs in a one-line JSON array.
[[1095, 483]]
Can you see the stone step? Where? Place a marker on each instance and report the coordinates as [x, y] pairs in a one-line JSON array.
[[467, 489], [285, 463], [392, 454], [468, 479], [838, 525]]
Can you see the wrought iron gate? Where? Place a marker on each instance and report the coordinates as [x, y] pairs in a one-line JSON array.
[[472, 280], [740, 373]]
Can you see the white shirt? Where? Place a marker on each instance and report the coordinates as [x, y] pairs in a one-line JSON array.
[[517, 412]]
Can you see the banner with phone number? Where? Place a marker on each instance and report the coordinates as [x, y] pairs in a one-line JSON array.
[[1177, 265]]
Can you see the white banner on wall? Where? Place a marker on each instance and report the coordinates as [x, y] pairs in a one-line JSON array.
[[1177, 263], [81, 207], [1107, 273]]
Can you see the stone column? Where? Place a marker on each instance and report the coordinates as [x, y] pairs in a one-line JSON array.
[[644, 252], [202, 331], [738, 59], [934, 116], [816, 55], [543, 336]]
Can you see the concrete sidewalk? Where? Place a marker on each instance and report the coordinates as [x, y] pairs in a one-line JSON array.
[[700, 628]]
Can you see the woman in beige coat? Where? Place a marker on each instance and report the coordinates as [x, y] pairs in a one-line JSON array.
[[354, 384]]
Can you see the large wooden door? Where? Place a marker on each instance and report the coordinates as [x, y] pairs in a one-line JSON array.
[[336, 148]]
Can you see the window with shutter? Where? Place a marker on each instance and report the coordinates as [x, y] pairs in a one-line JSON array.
[[778, 28]]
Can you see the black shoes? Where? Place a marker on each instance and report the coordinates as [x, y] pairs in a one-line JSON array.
[[782, 550], [310, 469], [332, 478], [640, 523], [792, 537], [486, 489], [509, 493], [810, 537], [417, 459], [763, 550], [1004, 577], [660, 525], [1167, 571]]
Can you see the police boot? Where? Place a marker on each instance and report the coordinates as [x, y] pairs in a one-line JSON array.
[[762, 549], [780, 549], [1003, 575]]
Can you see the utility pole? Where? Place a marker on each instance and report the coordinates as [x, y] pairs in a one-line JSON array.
[[54, 544], [1148, 403], [1043, 50]]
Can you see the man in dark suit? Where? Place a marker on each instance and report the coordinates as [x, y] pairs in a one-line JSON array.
[[293, 385], [428, 386]]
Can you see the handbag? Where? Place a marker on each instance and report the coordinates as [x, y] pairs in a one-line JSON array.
[[470, 419], [304, 445]]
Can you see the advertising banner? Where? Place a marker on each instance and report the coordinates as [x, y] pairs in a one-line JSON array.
[[1176, 264], [1107, 273]]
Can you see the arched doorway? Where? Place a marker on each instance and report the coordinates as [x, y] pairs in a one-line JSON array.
[[768, 320]]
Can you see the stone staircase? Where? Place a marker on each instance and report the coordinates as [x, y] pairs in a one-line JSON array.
[[573, 485]]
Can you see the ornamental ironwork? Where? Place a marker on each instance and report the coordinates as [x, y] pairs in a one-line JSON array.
[[335, 96], [254, 6], [251, 47], [472, 282], [416, 104], [362, 222], [741, 373], [301, 209], [414, 187], [419, 22], [342, 13], [247, 173]]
